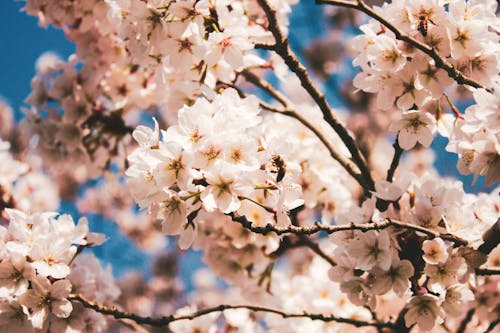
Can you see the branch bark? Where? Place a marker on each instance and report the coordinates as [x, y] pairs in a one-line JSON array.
[[491, 238], [465, 321], [492, 326], [487, 271], [166, 320], [398, 151], [330, 229]]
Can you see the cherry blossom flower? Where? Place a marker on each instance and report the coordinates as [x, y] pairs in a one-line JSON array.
[[13, 318], [45, 298], [397, 277], [425, 311], [414, 126], [390, 191], [371, 249], [223, 190], [447, 273], [456, 299], [15, 275], [434, 251], [173, 212]]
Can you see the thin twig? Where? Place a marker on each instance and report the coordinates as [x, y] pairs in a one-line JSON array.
[[465, 321], [493, 324], [453, 107], [163, 321], [267, 87], [439, 61], [398, 151], [330, 229], [487, 271], [263, 46], [491, 238], [382, 205], [317, 249], [282, 48]]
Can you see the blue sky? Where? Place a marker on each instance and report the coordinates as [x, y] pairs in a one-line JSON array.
[[22, 42]]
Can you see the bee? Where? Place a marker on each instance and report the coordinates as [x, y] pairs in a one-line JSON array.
[[423, 21], [279, 167]]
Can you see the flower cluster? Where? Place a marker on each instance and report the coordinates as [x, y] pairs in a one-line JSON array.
[[462, 33], [476, 137], [133, 56], [215, 159], [434, 275], [457, 30], [39, 268], [24, 187], [307, 292]]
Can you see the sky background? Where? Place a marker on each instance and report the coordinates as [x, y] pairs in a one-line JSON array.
[[23, 41]]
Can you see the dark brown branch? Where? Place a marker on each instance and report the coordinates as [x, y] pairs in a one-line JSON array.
[[487, 271], [267, 87], [262, 46], [398, 151], [491, 238], [400, 325], [282, 48], [317, 249], [439, 61], [465, 321], [382, 205], [163, 321], [287, 243], [492, 326], [330, 229]]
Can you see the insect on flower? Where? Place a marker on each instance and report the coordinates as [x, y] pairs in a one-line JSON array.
[[423, 21], [279, 167]]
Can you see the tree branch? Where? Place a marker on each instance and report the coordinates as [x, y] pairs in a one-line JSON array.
[[439, 61], [487, 271], [382, 205], [316, 249], [263, 46], [267, 87], [491, 238], [493, 324], [465, 321], [166, 320], [398, 151], [282, 48], [330, 229]]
